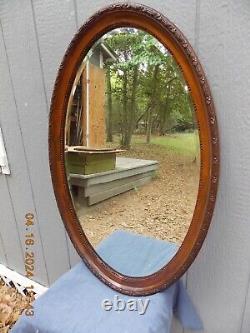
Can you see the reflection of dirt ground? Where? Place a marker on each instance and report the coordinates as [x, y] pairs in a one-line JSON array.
[[162, 208]]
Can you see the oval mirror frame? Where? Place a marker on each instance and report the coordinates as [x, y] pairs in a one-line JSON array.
[[149, 20]]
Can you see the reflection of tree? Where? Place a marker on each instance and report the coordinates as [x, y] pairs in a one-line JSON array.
[[152, 102], [146, 92], [73, 129]]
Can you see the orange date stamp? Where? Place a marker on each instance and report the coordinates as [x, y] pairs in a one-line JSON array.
[[29, 259]]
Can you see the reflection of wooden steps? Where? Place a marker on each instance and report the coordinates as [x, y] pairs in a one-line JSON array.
[[129, 174]]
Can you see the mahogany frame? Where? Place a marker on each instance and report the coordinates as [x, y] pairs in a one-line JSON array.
[[168, 34]]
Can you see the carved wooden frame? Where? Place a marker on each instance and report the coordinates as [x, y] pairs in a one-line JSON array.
[[168, 34]]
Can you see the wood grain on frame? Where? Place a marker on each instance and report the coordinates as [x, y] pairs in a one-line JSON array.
[[169, 35]]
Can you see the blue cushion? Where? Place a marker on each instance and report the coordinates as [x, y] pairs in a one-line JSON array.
[[74, 303], [135, 255]]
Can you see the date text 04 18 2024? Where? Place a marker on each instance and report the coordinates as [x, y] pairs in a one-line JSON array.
[[29, 258]]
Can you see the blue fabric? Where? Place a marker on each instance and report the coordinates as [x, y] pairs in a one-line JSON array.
[[135, 255], [73, 304]]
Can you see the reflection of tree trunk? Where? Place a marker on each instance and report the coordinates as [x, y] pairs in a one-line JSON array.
[[110, 108], [165, 120], [165, 115], [133, 104], [141, 117], [129, 117], [152, 104], [124, 126], [165, 112], [156, 123], [149, 124]]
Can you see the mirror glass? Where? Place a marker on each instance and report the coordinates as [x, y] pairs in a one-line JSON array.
[[132, 151]]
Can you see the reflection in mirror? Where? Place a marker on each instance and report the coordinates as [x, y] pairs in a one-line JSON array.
[[132, 147]]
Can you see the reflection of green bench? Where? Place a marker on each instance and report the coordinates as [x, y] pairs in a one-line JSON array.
[[129, 174], [86, 161]]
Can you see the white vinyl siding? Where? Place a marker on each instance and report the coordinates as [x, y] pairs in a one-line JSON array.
[[34, 35]]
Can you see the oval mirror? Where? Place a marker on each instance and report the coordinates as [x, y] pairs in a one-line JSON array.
[[134, 149]]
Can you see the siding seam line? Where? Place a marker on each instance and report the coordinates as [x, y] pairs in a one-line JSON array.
[[76, 14], [6, 181], [25, 155], [39, 55], [47, 106], [243, 317]]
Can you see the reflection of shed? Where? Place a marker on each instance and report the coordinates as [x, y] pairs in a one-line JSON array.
[[95, 172], [87, 102]]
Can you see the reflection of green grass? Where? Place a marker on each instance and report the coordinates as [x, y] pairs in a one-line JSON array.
[[183, 143]]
